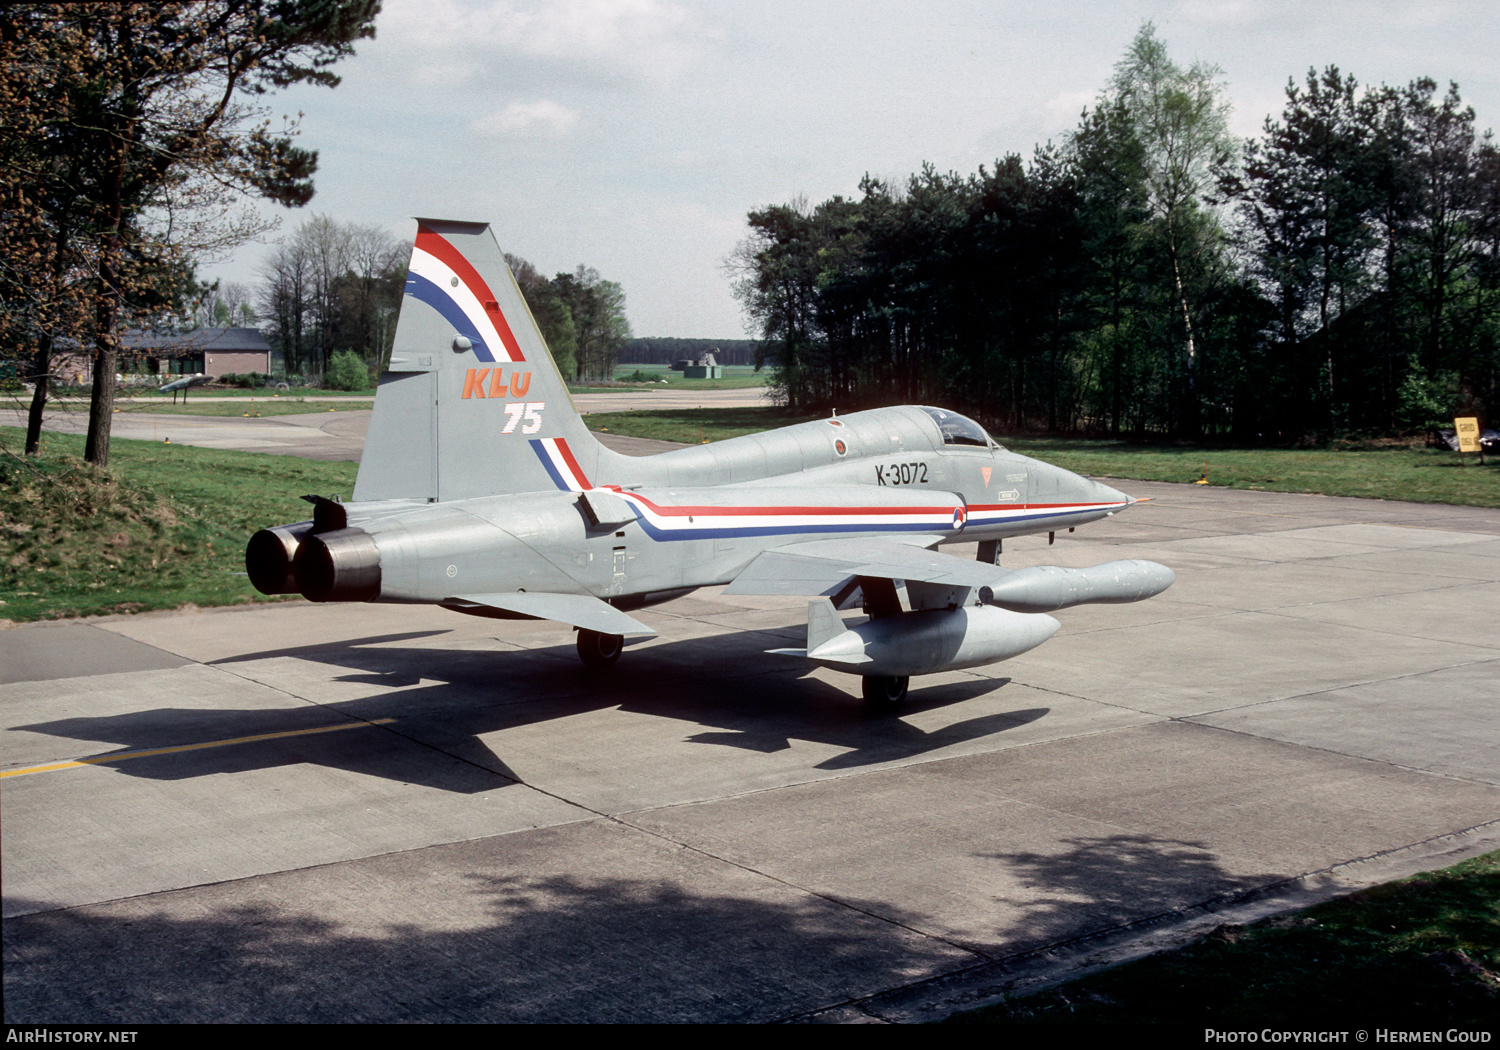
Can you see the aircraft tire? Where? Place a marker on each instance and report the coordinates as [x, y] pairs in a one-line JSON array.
[[599, 650], [885, 692]]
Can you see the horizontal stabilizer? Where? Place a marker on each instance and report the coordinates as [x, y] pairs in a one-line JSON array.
[[605, 510], [580, 610]]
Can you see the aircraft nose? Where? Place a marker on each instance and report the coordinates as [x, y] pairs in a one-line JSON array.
[[1102, 493], [1051, 484]]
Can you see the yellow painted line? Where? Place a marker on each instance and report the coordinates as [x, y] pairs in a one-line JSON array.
[[122, 755]]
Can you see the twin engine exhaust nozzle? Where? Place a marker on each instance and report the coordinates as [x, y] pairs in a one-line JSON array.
[[323, 565]]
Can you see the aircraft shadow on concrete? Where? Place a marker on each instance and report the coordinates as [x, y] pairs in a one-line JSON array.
[[1122, 881], [550, 947], [545, 939], [447, 700]]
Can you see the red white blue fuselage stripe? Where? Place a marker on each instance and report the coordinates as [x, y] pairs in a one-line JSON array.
[[710, 521], [982, 515]]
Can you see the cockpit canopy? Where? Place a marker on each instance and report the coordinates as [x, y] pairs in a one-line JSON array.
[[959, 430]]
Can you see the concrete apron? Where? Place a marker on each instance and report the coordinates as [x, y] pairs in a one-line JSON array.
[[374, 813]]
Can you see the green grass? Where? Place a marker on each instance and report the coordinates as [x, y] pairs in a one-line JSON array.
[[1425, 950], [241, 391], [1399, 472], [261, 406], [164, 526], [194, 393], [735, 377], [693, 425]]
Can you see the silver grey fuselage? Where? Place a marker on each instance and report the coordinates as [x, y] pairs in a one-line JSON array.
[[703, 513]]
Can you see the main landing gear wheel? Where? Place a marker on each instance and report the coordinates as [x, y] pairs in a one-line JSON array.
[[599, 650], [885, 692]]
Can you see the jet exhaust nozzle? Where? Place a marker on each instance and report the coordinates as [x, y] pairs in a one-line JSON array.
[[929, 641], [270, 554], [1047, 588], [338, 566]]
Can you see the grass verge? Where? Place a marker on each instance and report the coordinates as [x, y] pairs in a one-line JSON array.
[[80, 396], [731, 377], [1420, 475], [1423, 951], [260, 407], [164, 526], [693, 425]]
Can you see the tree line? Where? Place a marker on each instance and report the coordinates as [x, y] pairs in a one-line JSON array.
[[330, 287], [581, 315], [1152, 276], [668, 349]]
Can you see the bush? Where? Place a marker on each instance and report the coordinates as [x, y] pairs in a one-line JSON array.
[[347, 371], [1423, 402]]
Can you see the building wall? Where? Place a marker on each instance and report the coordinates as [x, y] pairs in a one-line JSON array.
[[237, 362], [68, 367]]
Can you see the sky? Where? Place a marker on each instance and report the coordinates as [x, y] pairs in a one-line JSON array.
[[634, 136]]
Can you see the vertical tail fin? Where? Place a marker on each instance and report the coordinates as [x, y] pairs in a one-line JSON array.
[[472, 404]]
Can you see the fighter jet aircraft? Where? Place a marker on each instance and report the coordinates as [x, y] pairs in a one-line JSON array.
[[482, 491]]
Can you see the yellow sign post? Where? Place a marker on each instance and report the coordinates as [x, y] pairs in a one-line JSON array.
[[1468, 436]]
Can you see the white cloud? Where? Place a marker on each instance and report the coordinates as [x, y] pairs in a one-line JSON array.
[[541, 119], [644, 39]]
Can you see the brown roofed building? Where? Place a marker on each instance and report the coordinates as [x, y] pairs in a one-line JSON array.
[[211, 351]]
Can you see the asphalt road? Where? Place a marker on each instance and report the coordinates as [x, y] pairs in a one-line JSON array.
[[361, 812]]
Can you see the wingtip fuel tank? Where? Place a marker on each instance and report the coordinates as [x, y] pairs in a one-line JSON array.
[[1048, 588]]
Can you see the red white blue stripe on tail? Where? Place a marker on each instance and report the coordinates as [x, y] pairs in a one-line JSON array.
[[560, 463], [443, 279]]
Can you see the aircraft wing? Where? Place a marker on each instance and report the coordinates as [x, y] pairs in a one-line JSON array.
[[580, 610], [825, 566]]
